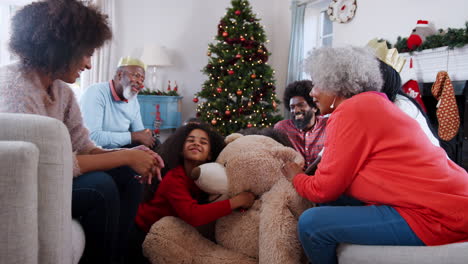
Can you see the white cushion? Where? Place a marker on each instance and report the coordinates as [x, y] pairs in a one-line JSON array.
[[78, 241], [456, 253]]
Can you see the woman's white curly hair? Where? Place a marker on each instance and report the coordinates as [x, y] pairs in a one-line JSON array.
[[344, 71]]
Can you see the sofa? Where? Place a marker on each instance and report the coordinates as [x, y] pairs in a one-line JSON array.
[[456, 253], [35, 192]]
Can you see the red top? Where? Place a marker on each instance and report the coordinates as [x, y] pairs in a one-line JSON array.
[[175, 197], [379, 155], [309, 143]]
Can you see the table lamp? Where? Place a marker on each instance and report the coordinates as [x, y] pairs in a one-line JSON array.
[[154, 56]]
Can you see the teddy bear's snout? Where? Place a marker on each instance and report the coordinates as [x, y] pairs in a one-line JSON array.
[[195, 173]]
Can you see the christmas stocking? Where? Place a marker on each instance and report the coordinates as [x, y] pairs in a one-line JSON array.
[[447, 110], [411, 88]]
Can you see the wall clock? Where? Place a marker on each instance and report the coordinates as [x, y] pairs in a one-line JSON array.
[[342, 11]]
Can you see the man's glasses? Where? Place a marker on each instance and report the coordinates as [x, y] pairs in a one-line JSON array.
[[136, 76]]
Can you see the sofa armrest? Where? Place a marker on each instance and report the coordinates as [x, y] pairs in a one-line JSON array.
[[18, 202], [54, 180]]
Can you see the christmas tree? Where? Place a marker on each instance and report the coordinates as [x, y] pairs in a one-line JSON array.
[[240, 90]]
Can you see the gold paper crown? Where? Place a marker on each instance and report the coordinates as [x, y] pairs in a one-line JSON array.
[[389, 56], [129, 61]]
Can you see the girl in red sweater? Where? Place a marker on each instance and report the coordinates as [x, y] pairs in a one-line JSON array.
[[177, 195]]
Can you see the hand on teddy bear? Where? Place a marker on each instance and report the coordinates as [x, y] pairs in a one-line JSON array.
[[243, 200], [291, 169]]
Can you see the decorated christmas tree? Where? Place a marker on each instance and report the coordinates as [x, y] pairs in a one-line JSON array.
[[240, 90]]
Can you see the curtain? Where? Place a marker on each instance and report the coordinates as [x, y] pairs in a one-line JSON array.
[[102, 64], [296, 46]]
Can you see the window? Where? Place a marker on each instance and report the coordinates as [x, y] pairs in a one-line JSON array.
[[326, 30], [7, 10], [318, 28]]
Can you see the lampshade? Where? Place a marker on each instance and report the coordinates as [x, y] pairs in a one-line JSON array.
[[155, 55]]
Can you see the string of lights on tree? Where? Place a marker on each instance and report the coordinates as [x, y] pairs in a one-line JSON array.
[[240, 90]]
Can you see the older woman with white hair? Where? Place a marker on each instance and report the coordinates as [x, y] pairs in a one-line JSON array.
[[411, 193]]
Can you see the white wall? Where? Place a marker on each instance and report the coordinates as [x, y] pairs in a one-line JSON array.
[[185, 27], [390, 19]]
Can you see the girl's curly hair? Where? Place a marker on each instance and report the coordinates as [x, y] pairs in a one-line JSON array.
[[52, 35], [171, 151]]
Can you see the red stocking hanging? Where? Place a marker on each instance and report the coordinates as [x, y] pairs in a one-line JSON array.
[[411, 88], [447, 110]]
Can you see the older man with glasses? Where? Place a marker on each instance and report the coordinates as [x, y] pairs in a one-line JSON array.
[[111, 111]]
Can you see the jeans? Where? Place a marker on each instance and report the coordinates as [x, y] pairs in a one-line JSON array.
[[105, 203], [135, 253], [322, 228]]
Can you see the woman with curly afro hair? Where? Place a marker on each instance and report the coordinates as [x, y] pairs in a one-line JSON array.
[[54, 41]]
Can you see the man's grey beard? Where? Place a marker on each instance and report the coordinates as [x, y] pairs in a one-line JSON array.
[[128, 93], [304, 122]]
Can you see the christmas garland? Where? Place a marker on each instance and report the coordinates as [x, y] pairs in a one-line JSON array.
[[451, 37], [158, 92]]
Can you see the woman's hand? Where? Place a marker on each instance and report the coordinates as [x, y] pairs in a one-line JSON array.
[[291, 169], [242, 200], [160, 162], [146, 163]]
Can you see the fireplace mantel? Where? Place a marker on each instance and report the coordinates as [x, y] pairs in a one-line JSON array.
[[427, 63]]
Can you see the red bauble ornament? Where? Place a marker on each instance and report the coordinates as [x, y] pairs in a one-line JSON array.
[[238, 56], [249, 125], [230, 72], [195, 100], [238, 12], [213, 122], [260, 51], [227, 112], [242, 38], [253, 76], [264, 115], [239, 92], [225, 34], [219, 89]]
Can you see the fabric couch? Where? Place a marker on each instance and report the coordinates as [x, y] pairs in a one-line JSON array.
[[456, 253], [35, 192]]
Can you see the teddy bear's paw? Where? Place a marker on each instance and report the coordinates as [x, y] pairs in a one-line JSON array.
[[171, 240]]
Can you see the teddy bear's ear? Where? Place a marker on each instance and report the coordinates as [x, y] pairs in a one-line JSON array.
[[288, 154], [232, 137]]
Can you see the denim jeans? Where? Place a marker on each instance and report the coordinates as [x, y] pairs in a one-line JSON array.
[[322, 228], [105, 203]]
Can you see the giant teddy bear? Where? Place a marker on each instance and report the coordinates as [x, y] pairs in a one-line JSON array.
[[266, 233]]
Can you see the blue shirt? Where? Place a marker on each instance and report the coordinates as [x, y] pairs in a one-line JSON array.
[[109, 119]]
